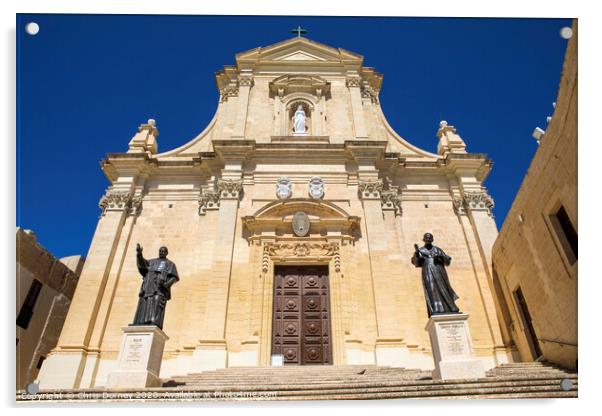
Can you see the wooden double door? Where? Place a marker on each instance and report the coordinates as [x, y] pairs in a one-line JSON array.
[[301, 315]]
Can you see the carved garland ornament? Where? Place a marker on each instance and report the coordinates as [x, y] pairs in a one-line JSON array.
[[301, 250]]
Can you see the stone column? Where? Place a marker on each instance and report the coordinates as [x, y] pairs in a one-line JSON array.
[[359, 123], [211, 352]]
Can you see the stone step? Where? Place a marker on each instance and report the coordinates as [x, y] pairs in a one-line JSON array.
[[367, 376], [299, 369], [382, 385], [299, 375], [519, 372], [408, 384], [434, 390], [344, 383], [313, 384]]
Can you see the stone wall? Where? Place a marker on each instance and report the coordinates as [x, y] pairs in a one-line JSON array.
[[59, 280], [529, 253]]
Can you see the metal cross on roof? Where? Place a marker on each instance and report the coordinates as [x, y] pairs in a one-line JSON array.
[[299, 31]]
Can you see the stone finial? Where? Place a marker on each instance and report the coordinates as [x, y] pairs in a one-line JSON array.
[[145, 140], [449, 140]]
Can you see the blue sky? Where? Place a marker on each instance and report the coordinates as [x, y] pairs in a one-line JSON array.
[[85, 82]]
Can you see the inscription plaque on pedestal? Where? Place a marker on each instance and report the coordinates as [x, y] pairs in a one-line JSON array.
[[139, 357], [452, 348]]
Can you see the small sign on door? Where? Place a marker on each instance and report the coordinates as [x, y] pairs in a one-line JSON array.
[[277, 360]]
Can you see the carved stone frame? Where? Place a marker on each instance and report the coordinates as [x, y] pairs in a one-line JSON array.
[[270, 250], [293, 252]]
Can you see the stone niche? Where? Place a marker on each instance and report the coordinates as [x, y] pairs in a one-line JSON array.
[[290, 91], [291, 108]]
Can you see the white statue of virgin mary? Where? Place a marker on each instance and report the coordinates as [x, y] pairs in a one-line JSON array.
[[299, 121]]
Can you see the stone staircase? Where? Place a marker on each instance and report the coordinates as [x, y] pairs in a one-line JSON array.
[[516, 380]]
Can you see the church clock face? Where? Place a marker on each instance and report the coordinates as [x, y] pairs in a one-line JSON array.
[[300, 224]]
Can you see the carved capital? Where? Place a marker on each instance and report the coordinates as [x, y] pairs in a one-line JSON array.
[[228, 91], [370, 92], [370, 189], [245, 80], [229, 188], [459, 206], [135, 207], [391, 201], [353, 81], [115, 201], [478, 201], [208, 200]]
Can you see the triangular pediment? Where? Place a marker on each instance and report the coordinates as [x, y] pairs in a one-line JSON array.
[[299, 56], [297, 49]]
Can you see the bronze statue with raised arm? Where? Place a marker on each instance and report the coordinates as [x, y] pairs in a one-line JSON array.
[[158, 275], [440, 297]]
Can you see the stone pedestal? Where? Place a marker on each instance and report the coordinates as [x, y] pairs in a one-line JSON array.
[[139, 358], [452, 348]]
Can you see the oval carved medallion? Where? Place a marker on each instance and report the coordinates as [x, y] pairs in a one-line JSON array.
[[300, 224]]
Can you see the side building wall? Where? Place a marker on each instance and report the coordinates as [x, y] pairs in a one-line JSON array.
[[535, 255], [45, 286]]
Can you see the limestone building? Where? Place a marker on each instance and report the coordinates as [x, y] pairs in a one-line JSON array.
[[45, 286], [535, 256], [291, 218]]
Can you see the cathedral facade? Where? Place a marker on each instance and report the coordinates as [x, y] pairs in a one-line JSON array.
[[292, 218]]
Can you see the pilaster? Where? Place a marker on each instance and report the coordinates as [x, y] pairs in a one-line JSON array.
[[66, 364], [389, 348], [473, 206], [354, 83], [212, 349], [245, 82]]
